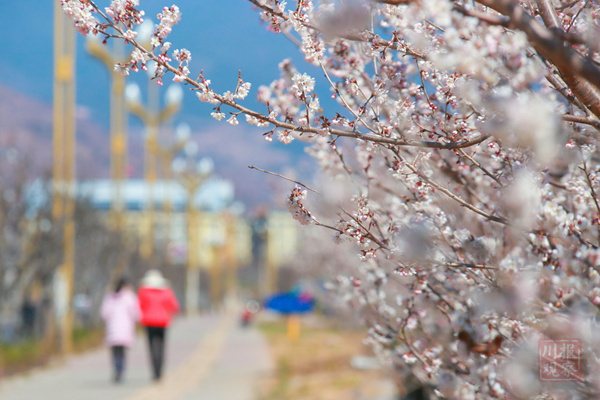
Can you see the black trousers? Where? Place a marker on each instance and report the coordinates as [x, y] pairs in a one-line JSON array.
[[156, 343], [118, 360]]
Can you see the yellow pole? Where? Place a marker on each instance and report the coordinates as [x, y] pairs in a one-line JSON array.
[[191, 182], [118, 138], [192, 271], [152, 117], [293, 327], [270, 257], [152, 123], [118, 134], [60, 76], [230, 256], [64, 168], [166, 155], [215, 277]]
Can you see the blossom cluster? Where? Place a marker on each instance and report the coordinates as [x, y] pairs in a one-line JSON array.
[[82, 15], [126, 13], [169, 17], [184, 57], [297, 208]]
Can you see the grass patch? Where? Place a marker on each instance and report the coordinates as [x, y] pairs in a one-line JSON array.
[[317, 365], [26, 354], [22, 356], [87, 338]]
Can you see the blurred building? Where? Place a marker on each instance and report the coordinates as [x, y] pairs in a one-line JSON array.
[[282, 238], [213, 201], [227, 240], [274, 244]]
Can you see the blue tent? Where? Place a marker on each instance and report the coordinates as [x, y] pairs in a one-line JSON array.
[[290, 303]]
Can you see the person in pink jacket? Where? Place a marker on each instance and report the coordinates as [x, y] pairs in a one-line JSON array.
[[120, 311], [158, 304]]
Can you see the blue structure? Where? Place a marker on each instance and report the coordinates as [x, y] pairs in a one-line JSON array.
[[290, 303], [214, 195]]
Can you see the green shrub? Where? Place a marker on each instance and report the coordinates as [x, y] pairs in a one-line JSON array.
[[17, 357]]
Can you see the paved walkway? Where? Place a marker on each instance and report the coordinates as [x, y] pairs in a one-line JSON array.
[[207, 357]]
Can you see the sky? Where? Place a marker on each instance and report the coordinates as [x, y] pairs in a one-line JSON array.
[[224, 36]]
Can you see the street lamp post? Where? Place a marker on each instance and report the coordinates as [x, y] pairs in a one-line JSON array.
[[153, 118], [166, 155], [63, 206], [118, 134], [230, 255], [191, 176]]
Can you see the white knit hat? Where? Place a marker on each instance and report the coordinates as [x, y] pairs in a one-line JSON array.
[[154, 279]]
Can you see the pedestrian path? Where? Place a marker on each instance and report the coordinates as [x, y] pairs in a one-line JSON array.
[[207, 357]]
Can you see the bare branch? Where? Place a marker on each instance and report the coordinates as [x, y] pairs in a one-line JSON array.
[[284, 177], [580, 119], [482, 16], [394, 2]]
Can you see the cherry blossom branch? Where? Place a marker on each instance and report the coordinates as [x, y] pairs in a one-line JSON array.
[[310, 129], [448, 193], [553, 48], [367, 231], [316, 222], [344, 100], [481, 167], [295, 127], [576, 16], [591, 186], [372, 38], [587, 93]]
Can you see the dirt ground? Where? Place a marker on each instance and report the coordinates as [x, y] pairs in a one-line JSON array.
[[317, 365]]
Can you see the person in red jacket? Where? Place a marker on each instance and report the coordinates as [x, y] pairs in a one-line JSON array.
[[158, 304]]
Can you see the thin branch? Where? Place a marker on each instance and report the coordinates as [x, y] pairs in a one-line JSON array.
[[304, 186], [441, 297], [552, 47], [481, 167], [284, 177], [394, 2], [453, 196], [592, 191], [344, 100], [368, 232], [580, 119], [482, 16], [467, 265], [575, 17]]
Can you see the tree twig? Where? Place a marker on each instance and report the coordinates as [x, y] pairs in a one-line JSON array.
[[284, 177]]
